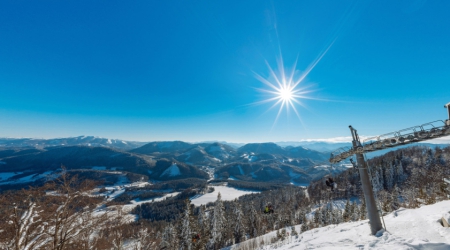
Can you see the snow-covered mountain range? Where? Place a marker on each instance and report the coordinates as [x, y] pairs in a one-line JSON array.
[[92, 141], [261, 162]]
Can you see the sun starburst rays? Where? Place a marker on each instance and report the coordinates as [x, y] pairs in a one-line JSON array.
[[283, 89], [287, 89]]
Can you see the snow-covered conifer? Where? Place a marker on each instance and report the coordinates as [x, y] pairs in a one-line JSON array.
[[143, 239], [363, 210], [430, 160], [399, 171], [254, 221], [336, 216], [169, 238], [328, 216], [186, 232], [356, 214], [347, 211], [386, 201], [218, 223], [318, 217], [239, 225], [395, 198], [301, 215], [389, 177], [305, 226], [203, 222], [293, 231], [377, 181]]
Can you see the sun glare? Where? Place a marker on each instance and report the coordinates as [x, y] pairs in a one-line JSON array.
[[285, 94], [287, 88], [284, 89]]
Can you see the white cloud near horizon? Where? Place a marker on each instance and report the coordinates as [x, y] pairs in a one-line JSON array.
[[343, 139]]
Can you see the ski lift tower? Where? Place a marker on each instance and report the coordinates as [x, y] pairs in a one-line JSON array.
[[447, 106], [427, 131]]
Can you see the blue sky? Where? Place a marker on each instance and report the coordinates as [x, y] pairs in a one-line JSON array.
[[185, 70]]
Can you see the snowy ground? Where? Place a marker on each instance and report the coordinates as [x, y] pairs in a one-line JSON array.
[[134, 203], [406, 229], [227, 193], [6, 178]]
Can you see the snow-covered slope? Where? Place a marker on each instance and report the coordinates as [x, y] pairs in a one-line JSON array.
[[227, 193], [406, 229], [91, 141]]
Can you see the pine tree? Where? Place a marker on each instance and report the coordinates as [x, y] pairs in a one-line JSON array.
[[305, 226], [254, 221], [283, 234], [318, 217], [430, 160], [356, 214], [381, 179], [376, 184], [363, 209], [328, 214], [169, 238], [322, 216], [293, 231], [400, 172], [202, 219], [218, 223], [395, 200], [186, 232], [202, 228], [347, 211], [239, 227], [336, 216], [301, 216], [389, 177], [386, 200]]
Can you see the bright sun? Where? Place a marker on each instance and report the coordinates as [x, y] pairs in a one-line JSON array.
[[288, 88], [284, 89], [285, 94]]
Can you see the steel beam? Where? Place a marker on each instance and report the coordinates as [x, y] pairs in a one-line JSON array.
[[371, 205]]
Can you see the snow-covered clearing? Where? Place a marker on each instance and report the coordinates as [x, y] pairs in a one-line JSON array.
[[118, 188], [172, 171], [5, 177], [227, 193], [233, 178], [134, 203], [406, 229]]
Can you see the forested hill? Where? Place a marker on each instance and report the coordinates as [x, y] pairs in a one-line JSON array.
[[414, 175]]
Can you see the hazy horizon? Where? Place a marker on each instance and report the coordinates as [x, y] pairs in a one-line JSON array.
[[327, 140]]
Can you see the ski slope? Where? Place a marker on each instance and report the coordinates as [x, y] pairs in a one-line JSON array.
[[406, 229]]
